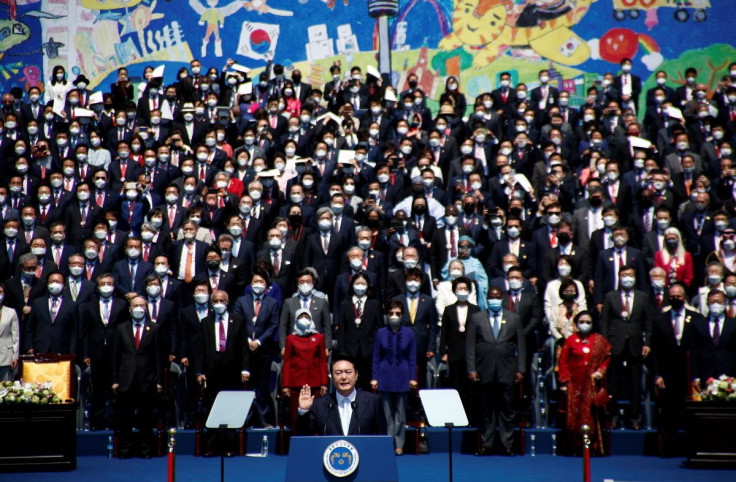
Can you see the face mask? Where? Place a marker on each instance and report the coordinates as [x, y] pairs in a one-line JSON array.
[[189, 236], [726, 152], [585, 328], [105, 290], [563, 101], [213, 265], [55, 288], [627, 282], [521, 94], [161, 270], [153, 291], [83, 196], [90, 254], [564, 270], [462, 296], [495, 305], [307, 183], [219, 308], [716, 309], [730, 291], [147, 236], [406, 150], [682, 146], [515, 284], [721, 225], [451, 220], [201, 298], [714, 279], [413, 286], [189, 117], [305, 289], [38, 251], [394, 321], [554, 219], [133, 253], [274, 243]]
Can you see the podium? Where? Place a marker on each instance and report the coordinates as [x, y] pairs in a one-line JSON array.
[[373, 455]]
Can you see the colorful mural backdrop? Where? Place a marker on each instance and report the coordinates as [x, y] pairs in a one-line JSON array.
[[578, 40]]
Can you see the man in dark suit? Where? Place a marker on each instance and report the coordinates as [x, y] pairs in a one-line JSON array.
[[626, 322], [495, 351], [421, 315], [358, 320], [21, 291], [323, 248], [305, 299], [60, 250], [347, 412], [282, 257], [81, 216], [130, 272], [261, 315], [628, 86], [53, 325], [218, 279], [137, 375], [190, 334], [514, 244], [397, 279], [188, 255], [672, 336], [223, 356], [608, 267], [527, 305], [545, 95], [78, 288], [98, 318], [714, 342], [163, 313]]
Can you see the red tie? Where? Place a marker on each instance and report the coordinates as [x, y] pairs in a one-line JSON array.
[[553, 238], [257, 307], [146, 252], [137, 335], [132, 207], [223, 338], [453, 246], [100, 199], [659, 299]]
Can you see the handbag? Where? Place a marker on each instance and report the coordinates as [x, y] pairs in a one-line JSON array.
[[601, 396]]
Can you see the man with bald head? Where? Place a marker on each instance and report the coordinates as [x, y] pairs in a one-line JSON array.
[[222, 361], [397, 280]]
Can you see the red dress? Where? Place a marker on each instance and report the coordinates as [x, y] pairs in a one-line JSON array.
[[676, 271], [580, 358], [305, 363]]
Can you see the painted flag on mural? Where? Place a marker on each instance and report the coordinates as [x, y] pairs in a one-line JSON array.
[[258, 40]]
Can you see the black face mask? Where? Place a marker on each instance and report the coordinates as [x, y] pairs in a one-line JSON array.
[[569, 296], [413, 84], [564, 238], [295, 219], [469, 208], [373, 223], [645, 203], [213, 265], [596, 201], [420, 210], [677, 303], [516, 212]]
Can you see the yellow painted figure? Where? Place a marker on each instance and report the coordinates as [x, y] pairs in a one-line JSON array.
[[214, 17], [487, 27]]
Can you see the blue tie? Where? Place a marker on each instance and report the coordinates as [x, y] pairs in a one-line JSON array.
[[495, 325]]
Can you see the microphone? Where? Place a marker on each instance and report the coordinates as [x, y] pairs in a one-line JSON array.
[[330, 406], [354, 405]]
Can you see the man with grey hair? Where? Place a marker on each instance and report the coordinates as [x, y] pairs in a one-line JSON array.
[[323, 248]]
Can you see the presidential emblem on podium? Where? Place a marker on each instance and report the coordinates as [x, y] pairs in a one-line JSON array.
[[341, 458]]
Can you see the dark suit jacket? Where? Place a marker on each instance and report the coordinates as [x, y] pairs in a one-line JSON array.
[[709, 360], [45, 336], [356, 340], [636, 328], [495, 359], [286, 277], [397, 284], [79, 229], [324, 417], [425, 323], [95, 338], [140, 370], [452, 340], [605, 272], [121, 273], [236, 350], [263, 327], [670, 357]]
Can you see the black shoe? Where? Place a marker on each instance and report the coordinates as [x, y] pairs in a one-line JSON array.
[[483, 452]]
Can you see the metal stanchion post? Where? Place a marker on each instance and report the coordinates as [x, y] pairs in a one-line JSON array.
[[586, 453], [172, 454]]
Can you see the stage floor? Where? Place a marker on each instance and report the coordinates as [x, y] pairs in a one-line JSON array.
[[411, 467]]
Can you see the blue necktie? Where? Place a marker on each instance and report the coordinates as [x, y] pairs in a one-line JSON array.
[[495, 325]]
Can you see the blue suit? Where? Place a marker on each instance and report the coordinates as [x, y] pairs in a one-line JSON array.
[[123, 282]]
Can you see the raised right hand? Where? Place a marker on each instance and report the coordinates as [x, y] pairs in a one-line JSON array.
[[306, 399]]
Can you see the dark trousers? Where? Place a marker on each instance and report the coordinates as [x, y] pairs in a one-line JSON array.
[[260, 375], [496, 413], [222, 377], [101, 378], [364, 366], [625, 370], [135, 409]]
